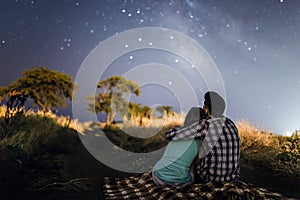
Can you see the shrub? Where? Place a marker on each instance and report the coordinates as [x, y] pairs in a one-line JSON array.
[[28, 152], [289, 155]]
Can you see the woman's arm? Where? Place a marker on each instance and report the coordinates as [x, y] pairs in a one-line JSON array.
[[195, 126]]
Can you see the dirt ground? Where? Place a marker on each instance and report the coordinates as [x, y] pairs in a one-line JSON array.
[[289, 187]]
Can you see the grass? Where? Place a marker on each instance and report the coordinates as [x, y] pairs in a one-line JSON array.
[[254, 137], [45, 153], [260, 149], [137, 144], [64, 121]]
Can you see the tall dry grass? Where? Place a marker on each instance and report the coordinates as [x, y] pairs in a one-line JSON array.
[[155, 122], [252, 136], [262, 150], [64, 121]]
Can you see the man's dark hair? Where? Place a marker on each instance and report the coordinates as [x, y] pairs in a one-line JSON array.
[[215, 103]]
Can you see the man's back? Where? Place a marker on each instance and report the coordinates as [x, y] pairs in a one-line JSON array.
[[221, 162]]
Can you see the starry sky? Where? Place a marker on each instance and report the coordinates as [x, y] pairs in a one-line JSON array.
[[254, 44]]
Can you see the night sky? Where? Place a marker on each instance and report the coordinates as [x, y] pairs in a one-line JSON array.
[[254, 44]]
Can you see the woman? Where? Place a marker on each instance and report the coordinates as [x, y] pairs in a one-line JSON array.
[[175, 167]]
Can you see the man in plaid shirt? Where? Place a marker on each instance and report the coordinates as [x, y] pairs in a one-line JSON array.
[[219, 154]]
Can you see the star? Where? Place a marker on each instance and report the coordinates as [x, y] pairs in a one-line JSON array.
[[231, 33], [269, 106]]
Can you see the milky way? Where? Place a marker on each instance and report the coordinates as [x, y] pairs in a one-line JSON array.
[[255, 45]]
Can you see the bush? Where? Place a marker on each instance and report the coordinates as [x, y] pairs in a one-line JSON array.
[[289, 155], [28, 152], [290, 149]]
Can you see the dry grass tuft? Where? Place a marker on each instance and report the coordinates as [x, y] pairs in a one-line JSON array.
[[2, 111]]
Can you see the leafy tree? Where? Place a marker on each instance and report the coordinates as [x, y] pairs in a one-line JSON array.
[[134, 111], [48, 89], [113, 95], [138, 112], [165, 111], [145, 113]]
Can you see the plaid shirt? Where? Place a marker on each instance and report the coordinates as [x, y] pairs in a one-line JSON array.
[[219, 155]]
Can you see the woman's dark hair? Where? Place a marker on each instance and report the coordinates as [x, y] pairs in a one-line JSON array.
[[215, 103]]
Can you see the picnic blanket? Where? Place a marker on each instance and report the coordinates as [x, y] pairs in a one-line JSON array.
[[142, 186]]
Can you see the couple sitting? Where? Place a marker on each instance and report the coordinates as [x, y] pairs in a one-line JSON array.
[[205, 149]]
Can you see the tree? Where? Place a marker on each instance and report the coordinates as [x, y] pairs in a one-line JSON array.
[[134, 112], [145, 114], [48, 89], [139, 113], [112, 98], [15, 102], [166, 111]]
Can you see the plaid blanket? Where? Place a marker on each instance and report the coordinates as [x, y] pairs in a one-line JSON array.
[[143, 187]]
